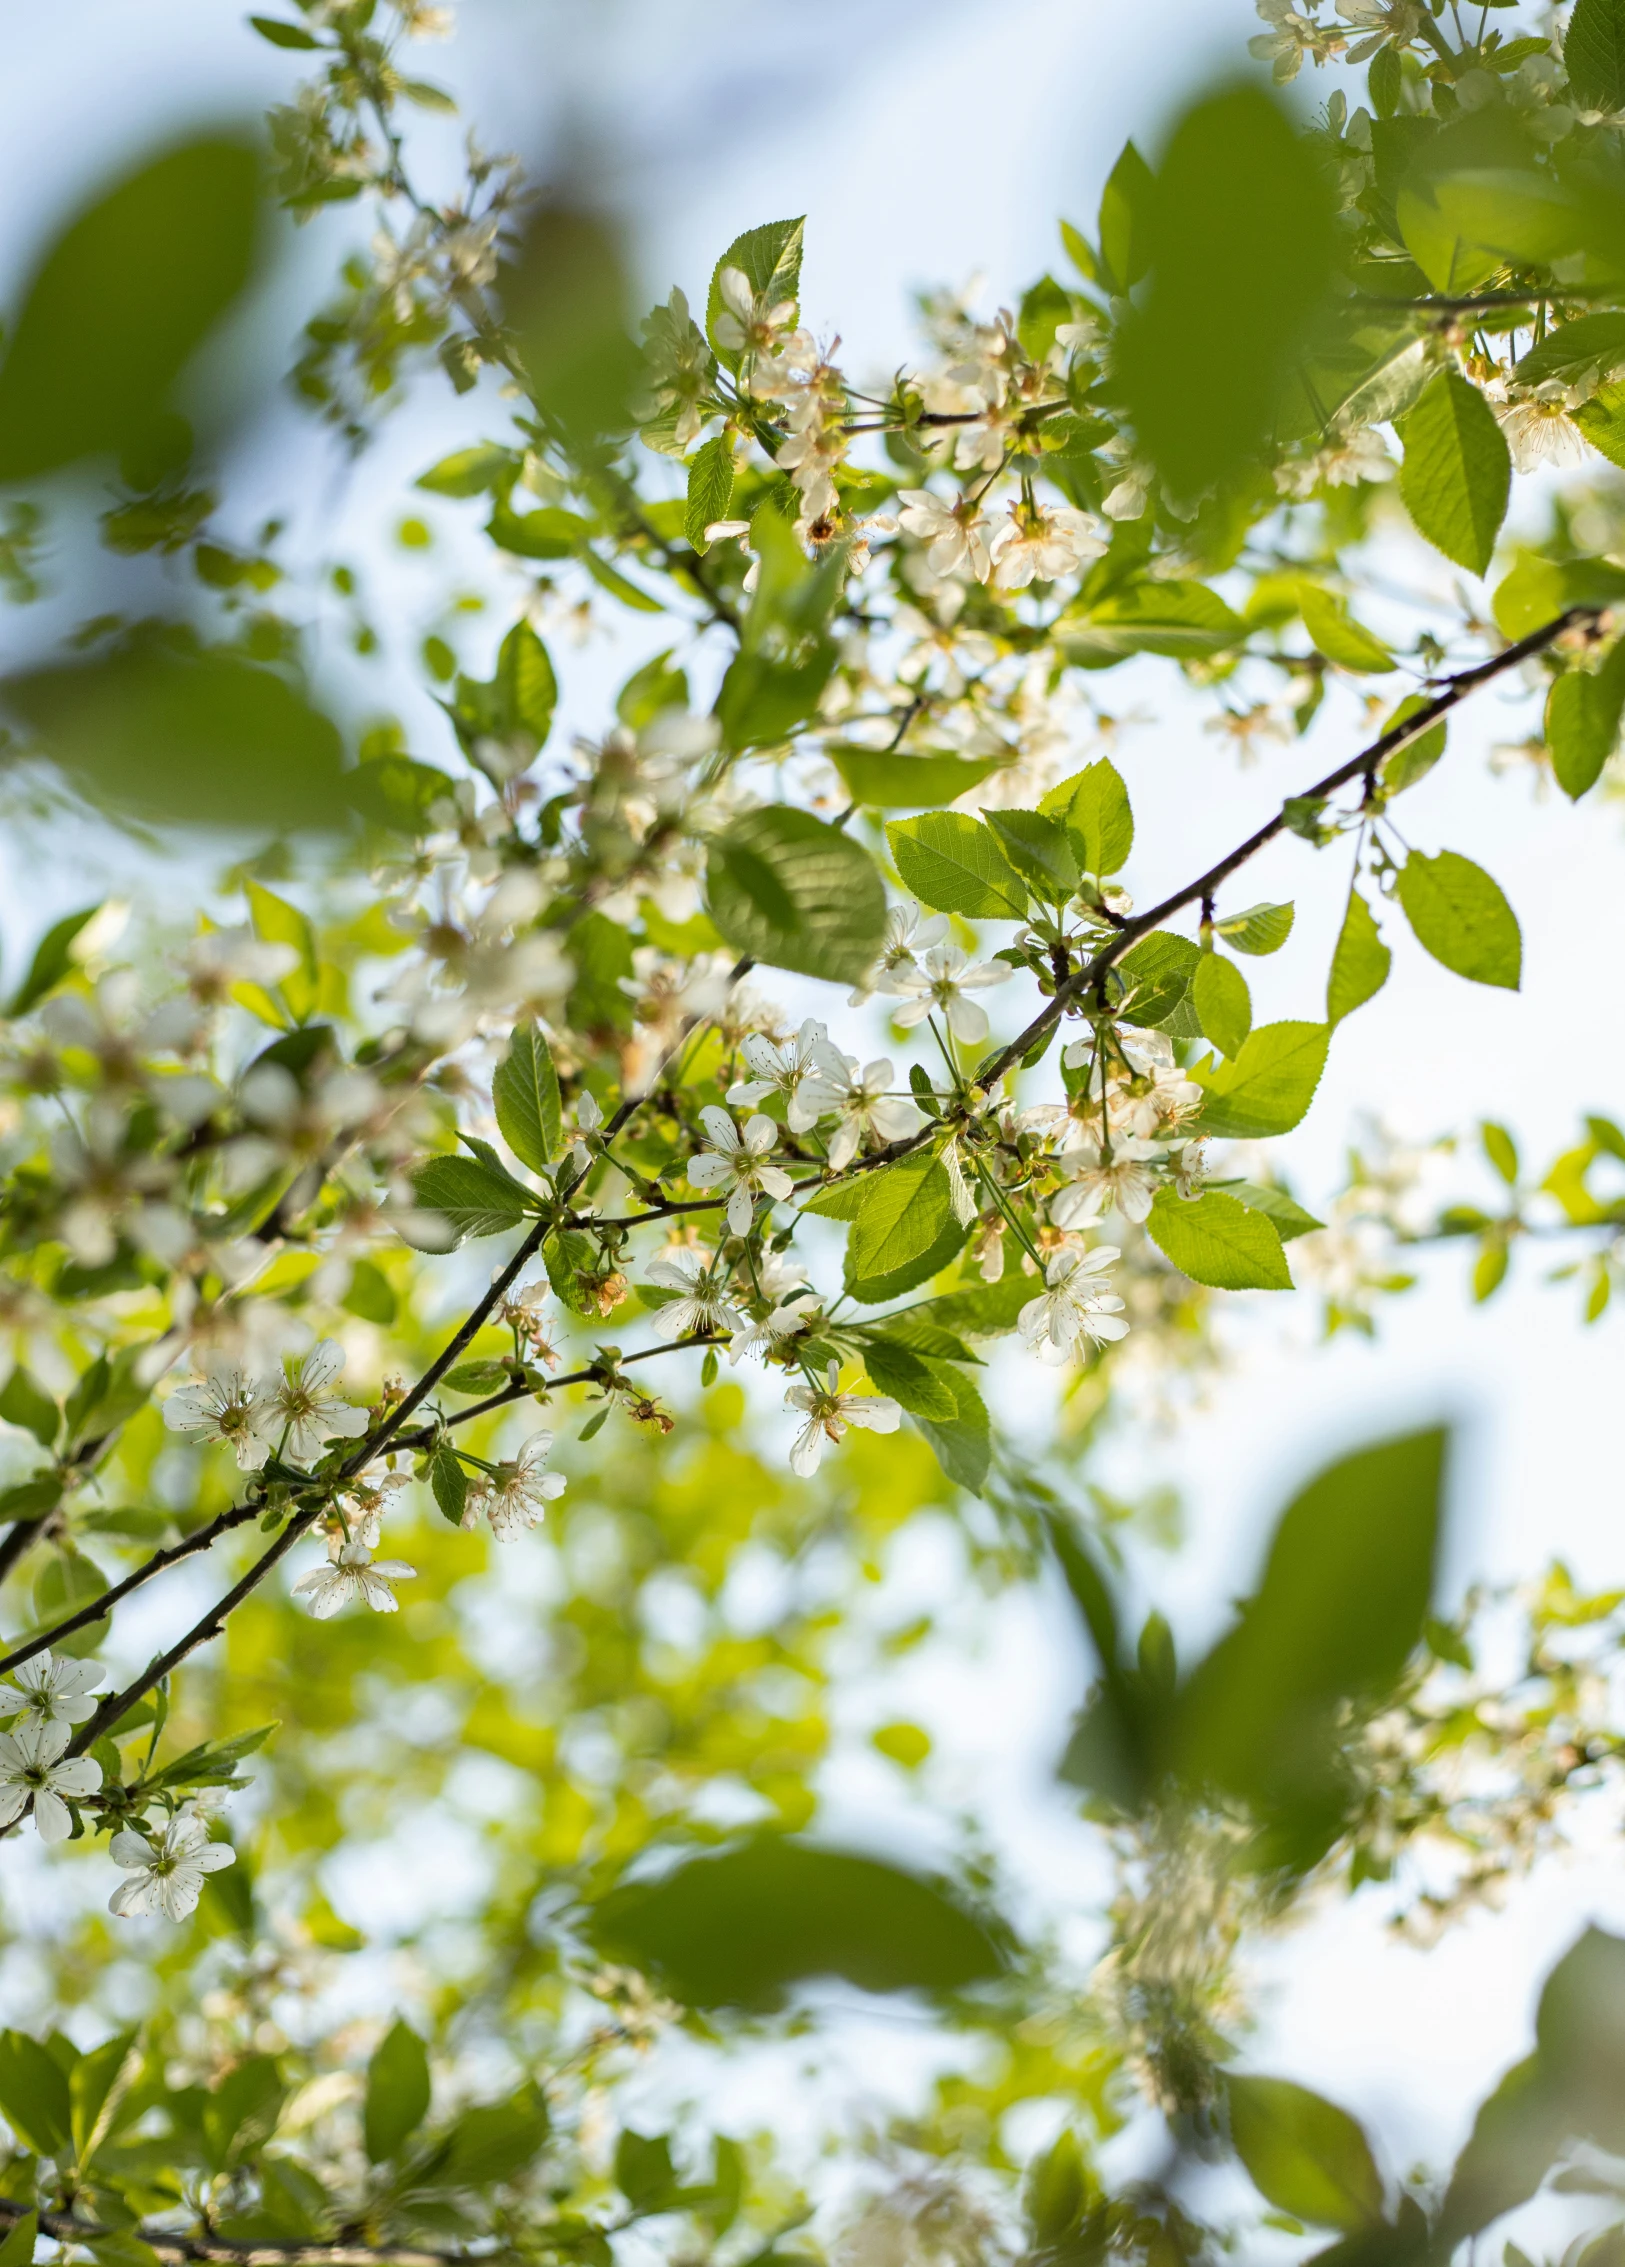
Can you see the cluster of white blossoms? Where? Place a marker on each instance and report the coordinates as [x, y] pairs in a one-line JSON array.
[[167, 1862], [290, 1413]]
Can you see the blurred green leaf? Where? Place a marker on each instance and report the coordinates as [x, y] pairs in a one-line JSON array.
[[739, 1928], [397, 2098], [165, 729], [1305, 2154], [1340, 1607], [34, 2095], [121, 301], [890, 780], [1241, 248], [565, 291], [53, 959]]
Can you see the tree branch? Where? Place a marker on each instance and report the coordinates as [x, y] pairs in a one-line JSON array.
[[1397, 736], [188, 1547], [68, 2228]]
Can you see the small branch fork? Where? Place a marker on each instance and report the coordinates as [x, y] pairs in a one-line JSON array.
[[1087, 979]]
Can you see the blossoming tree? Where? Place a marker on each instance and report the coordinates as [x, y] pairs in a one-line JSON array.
[[613, 1014]]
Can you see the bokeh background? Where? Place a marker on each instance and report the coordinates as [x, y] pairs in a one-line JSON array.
[[929, 141]]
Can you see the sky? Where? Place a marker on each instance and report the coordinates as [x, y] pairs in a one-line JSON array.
[[928, 140]]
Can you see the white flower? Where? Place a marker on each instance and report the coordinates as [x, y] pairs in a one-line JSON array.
[[747, 323], [221, 958], [516, 1495], [829, 1413], [866, 1105], [352, 1573], [299, 1400], [768, 1335], [1074, 1306], [166, 1871], [30, 1765], [941, 979], [741, 1159], [223, 1405], [955, 534], [1121, 1179], [54, 1691], [805, 1070], [1037, 543], [704, 1305], [367, 1501], [906, 933], [1540, 430], [1295, 36], [589, 1119]]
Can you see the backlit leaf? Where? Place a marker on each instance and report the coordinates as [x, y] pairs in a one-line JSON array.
[[1461, 917], [1217, 1241], [1457, 472], [795, 893]]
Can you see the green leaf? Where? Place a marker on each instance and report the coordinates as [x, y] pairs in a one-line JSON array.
[[1360, 963], [1125, 225], [710, 488], [546, 534], [1176, 619], [1098, 817], [213, 1762], [741, 1927], [889, 780], [476, 1201], [644, 2172], [34, 2096], [1460, 916], [18, 2248], [24, 1403], [1223, 1004], [1590, 345], [525, 1092], [1040, 850], [654, 690], [904, 1211], [470, 472], [399, 792], [1241, 241], [773, 684], [90, 2082], [1263, 1196], [53, 959], [489, 2145], [1594, 54], [397, 2091], [279, 923], [1403, 766], [1260, 929], [1304, 2154], [449, 1482], [983, 1310], [164, 729], [1602, 421], [953, 863], [1457, 473], [963, 1443], [283, 35], [795, 893], [1270, 1085], [1217, 1241], [923, 1387], [769, 257], [1582, 722], [241, 2113], [1339, 1610], [1156, 975], [1339, 637], [528, 688], [122, 300]]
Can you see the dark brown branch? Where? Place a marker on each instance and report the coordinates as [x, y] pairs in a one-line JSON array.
[[68, 2228], [1397, 736], [24, 1533], [188, 1547]]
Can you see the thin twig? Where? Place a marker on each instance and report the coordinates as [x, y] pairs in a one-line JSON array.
[[1397, 736], [67, 2227], [188, 1547]]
